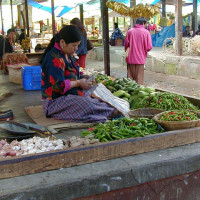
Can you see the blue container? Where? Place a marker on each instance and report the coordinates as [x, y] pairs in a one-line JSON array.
[[31, 76]]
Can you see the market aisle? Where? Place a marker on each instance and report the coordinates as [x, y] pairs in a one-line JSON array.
[[177, 84]]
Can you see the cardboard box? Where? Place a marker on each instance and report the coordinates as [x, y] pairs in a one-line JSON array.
[[119, 42], [15, 72]]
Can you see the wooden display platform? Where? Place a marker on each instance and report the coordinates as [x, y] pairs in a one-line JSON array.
[[18, 166], [30, 164]]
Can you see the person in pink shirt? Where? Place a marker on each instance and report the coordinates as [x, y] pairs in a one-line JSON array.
[[138, 42]]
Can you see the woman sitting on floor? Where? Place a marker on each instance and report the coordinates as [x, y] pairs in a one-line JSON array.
[[65, 91]]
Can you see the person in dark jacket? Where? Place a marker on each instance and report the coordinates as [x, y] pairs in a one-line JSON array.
[[186, 33], [6, 45], [21, 36], [82, 48], [117, 34], [197, 32]]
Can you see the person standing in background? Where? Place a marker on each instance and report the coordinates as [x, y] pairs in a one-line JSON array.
[[117, 34], [197, 32], [186, 33], [21, 36], [138, 42], [95, 32], [82, 48], [6, 45]]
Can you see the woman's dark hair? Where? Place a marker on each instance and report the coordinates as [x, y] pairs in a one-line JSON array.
[[116, 25], [141, 21], [76, 21], [69, 34], [10, 31]]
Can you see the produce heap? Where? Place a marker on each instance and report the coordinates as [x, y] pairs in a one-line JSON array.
[[26, 43], [144, 97], [140, 10], [139, 97], [179, 115], [123, 128]]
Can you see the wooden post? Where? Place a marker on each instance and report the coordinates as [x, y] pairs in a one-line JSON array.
[[100, 26], [27, 20], [2, 27], [178, 27], [194, 16], [163, 8], [93, 23], [61, 22], [53, 17], [105, 39], [47, 22], [81, 13], [113, 23], [11, 8], [18, 16], [132, 21], [124, 22]]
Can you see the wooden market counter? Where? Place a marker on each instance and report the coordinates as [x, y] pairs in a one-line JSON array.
[[96, 40], [34, 58]]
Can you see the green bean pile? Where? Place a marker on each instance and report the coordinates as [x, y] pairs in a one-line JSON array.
[[123, 128], [179, 115], [166, 101]]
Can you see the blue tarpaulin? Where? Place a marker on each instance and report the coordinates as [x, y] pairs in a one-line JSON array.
[[39, 6], [167, 32], [64, 10], [159, 38]]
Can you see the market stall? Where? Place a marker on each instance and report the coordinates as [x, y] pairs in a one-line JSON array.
[[114, 139]]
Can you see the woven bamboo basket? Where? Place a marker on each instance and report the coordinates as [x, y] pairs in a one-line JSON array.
[[144, 112], [176, 125]]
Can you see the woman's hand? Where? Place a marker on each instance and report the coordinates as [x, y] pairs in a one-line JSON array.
[[84, 84]]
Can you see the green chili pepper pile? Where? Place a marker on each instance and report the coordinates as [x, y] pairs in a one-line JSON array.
[[165, 101], [179, 115], [123, 128]]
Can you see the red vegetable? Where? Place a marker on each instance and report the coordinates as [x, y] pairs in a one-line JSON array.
[[172, 113], [91, 129]]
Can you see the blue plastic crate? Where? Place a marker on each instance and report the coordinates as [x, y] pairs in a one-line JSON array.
[[31, 76]]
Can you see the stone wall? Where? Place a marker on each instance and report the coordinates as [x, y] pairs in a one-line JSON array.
[[157, 61], [188, 66]]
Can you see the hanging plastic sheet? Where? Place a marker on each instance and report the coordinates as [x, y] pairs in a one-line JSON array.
[[159, 38], [39, 6]]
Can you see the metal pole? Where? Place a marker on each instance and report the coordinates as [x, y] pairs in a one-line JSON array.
[[178, 27], [1, 17], [81, 13], [105, 40], [53, 17], [27, 20], [11, 8]]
